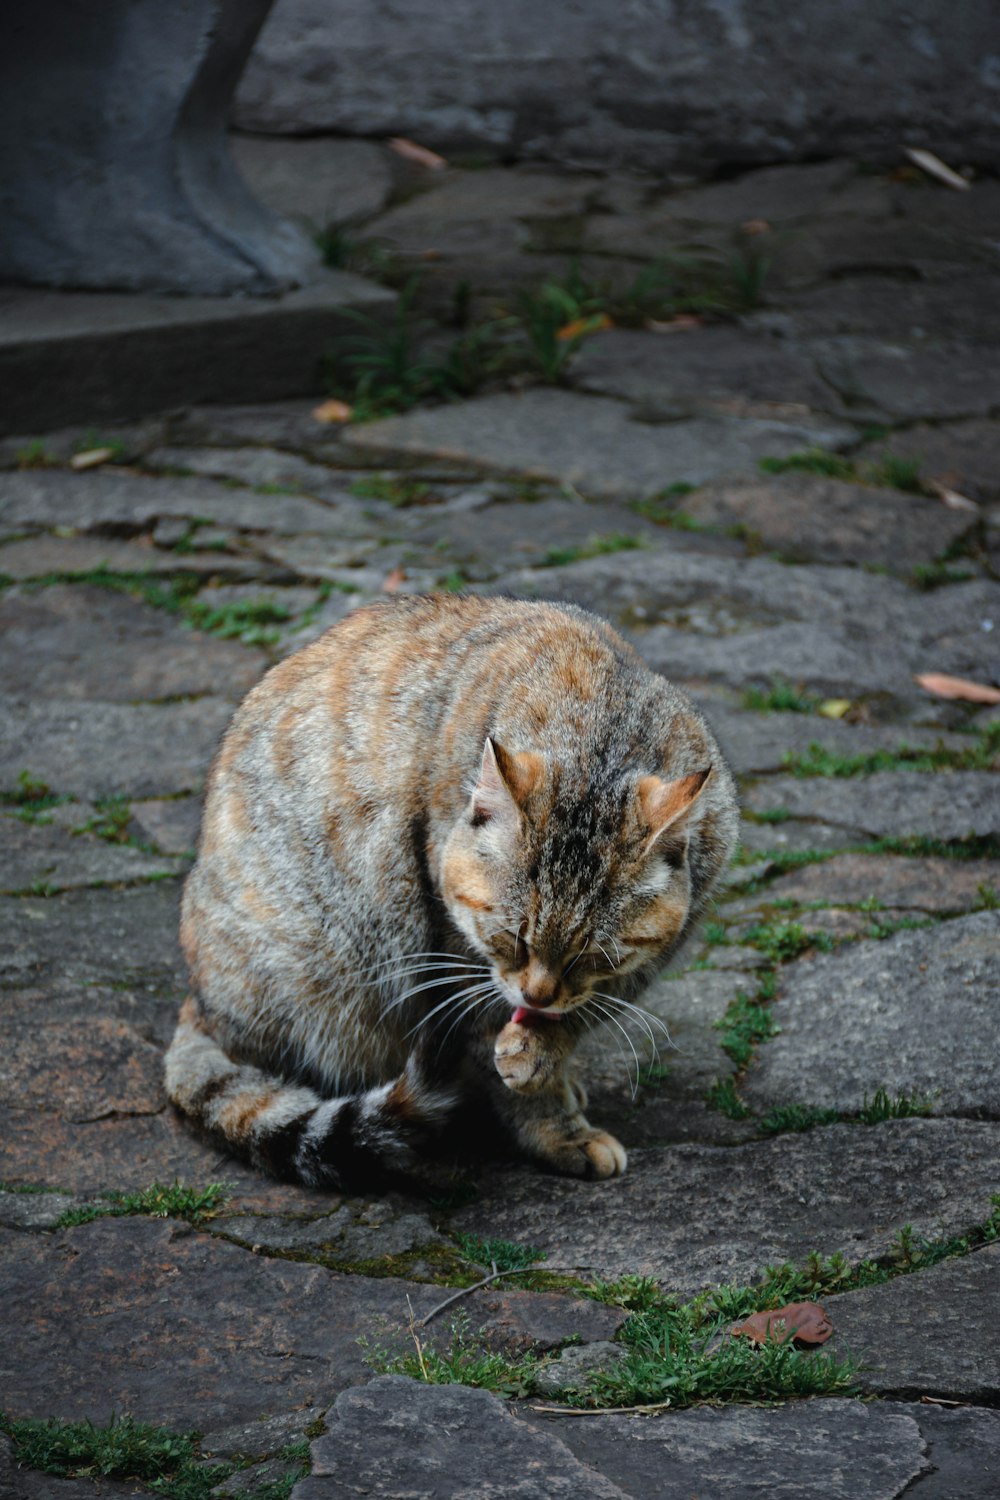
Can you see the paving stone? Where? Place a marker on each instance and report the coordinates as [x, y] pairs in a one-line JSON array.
[[322, 181], [74, 641], [965, 454], [130, 503], [694, 370], [39, 855], [964, 1448], [892, 307], [440, 1441], [82, 1067], [839, 631], [37, 1210], [128, 936], [805, 1450], [698, 1215], [939, 805], [257, 1439], [342, 1235], [796, 835], [171, 825], [923, 885], [590, 442], [918, 382], [929, 1333], [573, 1368], [251, 466], [105, 749], [39, 557], [75, 1300], [807, 518], [915, 1014]]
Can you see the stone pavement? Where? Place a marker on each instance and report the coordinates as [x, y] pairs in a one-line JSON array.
[[832, 1083]]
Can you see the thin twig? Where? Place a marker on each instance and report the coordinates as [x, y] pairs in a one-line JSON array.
[[536, 1265], [415, 1337], [598, 1411]]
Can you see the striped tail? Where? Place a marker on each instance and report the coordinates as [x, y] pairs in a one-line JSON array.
[[291, 1131]]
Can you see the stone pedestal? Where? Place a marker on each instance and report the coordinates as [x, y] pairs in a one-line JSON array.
[[115, 171]]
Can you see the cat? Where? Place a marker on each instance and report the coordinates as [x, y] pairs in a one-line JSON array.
[[438, 844]]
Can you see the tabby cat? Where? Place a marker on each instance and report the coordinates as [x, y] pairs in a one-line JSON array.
[[438, 844]]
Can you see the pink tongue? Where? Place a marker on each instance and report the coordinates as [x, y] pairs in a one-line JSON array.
[[525, 1017]]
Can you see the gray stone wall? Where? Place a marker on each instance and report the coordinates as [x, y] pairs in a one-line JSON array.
[[657, 83]]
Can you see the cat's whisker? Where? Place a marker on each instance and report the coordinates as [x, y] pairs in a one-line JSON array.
[[607, 956], [610, 1019], [418, 989], [468, 993], [643, 1016]]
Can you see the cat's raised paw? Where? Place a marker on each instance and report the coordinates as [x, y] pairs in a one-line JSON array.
[[521, 1060]]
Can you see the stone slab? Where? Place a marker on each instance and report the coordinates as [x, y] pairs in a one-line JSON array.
[[964, 1447], [323, 181], [965, 454], [914, 1014], [39, 557], [130, 503], [806, 518], [103, 749], [114, 355], [77, 641], [804, 1450], [939, 886], [839, 630], [939, 804], [698, 369], [41, 855], [251, 466], [73, 1302], [930, 1333], [886, 307], [127, 936], [695, 1215], [912, 382], [445, 1442], [795, 834], [589, 442], [171, 824], [760, 742]]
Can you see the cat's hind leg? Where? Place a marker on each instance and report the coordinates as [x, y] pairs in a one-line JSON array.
[[291, 1131]]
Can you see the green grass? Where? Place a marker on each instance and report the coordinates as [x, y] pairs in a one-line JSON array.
[[160, 1200], [747, 1022], [504, 1254], [782, 941], [781, 697], [724, 1097], [35, 456], [122, 1449], [461, 1361], [891, 471], [598, 546], [880, 1107], [936, 575], [32, 799], [810, 461], [982, 755], [247, 620], [110, 821], [393, 489]]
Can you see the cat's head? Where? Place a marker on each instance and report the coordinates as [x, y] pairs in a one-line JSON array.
[[568, 883]]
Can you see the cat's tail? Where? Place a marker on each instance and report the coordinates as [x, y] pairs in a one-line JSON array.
[[291, 1131]]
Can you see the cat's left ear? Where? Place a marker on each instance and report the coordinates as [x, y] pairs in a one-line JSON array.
[[665, 805], [506, 781]]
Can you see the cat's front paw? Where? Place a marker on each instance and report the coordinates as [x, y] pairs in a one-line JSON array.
[[592, 1153], [521, 1059]]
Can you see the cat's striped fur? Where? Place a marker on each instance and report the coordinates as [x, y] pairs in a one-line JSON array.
[[437, 843]]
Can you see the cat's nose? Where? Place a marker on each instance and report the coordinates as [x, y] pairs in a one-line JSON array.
[[539, 988]]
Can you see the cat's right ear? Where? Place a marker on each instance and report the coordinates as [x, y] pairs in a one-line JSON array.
[[505, 783]]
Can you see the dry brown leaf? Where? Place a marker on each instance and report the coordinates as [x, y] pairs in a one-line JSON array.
[[935, 167], [580, 326], [418, 154], [675, 325], [92, 458], [756, 226], [806, 1322], [333, 411], [951, 497], [941, 685], [393, 581]]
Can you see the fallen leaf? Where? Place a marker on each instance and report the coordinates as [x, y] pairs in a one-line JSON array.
[[952, 498], [393, 581], [834, 708], [756, 226], [677, 324], [935, 167], [806, 1322], [580, 326], [92, 458], [333, 411], [418, 154], [942, 686]]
